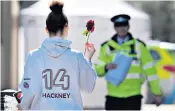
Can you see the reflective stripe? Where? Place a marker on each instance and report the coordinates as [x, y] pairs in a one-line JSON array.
[[108, 52], [152, 78], [138, 49], [135, 63], [99, 62], [133, 76], [139, 76], [148, 65]]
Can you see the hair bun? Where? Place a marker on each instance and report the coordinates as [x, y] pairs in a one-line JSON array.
[[57, 7]]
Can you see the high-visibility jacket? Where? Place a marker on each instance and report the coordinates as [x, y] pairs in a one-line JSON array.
[[141, 67]]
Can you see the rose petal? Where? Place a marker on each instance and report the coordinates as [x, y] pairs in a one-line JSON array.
[[92, 30]]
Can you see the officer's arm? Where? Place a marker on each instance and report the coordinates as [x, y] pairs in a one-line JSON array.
[[149, 70], [100, 65]]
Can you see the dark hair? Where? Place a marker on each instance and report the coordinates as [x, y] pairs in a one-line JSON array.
[[56, 20]]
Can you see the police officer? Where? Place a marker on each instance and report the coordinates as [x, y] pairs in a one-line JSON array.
[[127, 95]]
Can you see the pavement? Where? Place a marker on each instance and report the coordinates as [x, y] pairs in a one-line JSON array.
[[96, 99], [160, 108], [146, 108]]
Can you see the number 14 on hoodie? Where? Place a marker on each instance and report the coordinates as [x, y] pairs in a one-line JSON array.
[[59, 80]]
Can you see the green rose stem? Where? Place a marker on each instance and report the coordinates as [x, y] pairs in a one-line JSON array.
[[87, 42], [88, 37]]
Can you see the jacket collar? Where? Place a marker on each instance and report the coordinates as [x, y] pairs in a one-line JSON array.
[[116, 35], [113, 43]]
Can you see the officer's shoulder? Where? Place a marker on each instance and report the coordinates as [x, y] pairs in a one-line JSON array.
[[104, 43], [141, 42]]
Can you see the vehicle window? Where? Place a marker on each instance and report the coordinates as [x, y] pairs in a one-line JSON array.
[[172, 52], [155, 55]]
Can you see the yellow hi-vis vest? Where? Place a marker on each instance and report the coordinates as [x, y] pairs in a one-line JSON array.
[[142, 66]]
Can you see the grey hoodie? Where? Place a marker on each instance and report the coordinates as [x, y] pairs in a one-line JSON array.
[[54, 75]]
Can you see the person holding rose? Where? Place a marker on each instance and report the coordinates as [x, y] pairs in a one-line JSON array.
[[54, 74]]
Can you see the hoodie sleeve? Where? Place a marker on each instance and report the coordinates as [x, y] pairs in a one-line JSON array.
[[87, 75], [28, 84]]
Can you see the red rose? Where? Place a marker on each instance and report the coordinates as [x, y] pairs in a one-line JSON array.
[[90, 25]]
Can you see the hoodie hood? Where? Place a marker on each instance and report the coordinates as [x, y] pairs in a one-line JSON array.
[[55, 46]]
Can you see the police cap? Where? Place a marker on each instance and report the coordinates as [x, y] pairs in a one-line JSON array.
[[121, 20]]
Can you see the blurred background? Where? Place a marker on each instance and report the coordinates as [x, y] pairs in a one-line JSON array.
[[23, 29]]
